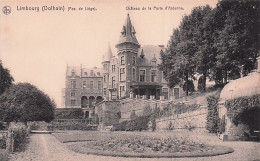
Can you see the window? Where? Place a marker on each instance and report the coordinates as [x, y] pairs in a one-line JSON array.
[[122, 91], [105, 91], [95, 84], [122, 74], [99, 84], [91, 73], [105, 80], [113, 68], [176, 93], [98, 74], [134, 60], [86, 74], [153, 76], [91, 84], [72, 93], [165, 93], [153, 62], [134, 74], [84, 84], [87, 82], [122, 60], [73, 84], [142, 75], [73, 102], [113, 82]]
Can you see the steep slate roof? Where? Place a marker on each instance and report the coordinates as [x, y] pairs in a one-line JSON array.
[[77, 70], [151, 52], [128, 33], [108, 55]]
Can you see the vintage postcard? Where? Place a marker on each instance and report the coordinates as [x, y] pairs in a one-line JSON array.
[[129, 80]]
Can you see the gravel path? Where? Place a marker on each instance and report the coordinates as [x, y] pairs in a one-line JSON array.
[[45, 147]]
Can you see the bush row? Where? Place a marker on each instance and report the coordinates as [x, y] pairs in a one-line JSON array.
[[68, 113], [71, 126]]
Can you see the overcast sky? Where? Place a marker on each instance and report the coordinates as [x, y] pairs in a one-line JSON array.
[[36, 46]]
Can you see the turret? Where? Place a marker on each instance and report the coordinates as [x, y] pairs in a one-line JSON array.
[[127, 49], [127, 39]]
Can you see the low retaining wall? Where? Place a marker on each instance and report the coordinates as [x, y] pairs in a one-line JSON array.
[[193, 120]]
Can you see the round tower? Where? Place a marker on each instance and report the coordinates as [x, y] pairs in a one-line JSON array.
[[127, 49], [106, 63]]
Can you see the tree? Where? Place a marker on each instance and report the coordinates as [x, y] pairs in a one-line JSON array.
[[190, 87], [6, 79], [24, 102], [237, 38]]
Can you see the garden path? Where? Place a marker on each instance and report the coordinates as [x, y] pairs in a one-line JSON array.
[[45, 147]]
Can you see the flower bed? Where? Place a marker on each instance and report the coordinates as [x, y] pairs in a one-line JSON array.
[[143, 146]]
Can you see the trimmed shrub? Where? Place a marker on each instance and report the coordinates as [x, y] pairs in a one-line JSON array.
[[19, 132], [212, 116]]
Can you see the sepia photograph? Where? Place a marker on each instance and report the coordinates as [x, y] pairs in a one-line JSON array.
[[129, 80]]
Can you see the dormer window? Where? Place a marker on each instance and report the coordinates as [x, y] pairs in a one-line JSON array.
[[86, 74], [153, 62], [72, 73], [91, 73], [98, 73], [123, 32]]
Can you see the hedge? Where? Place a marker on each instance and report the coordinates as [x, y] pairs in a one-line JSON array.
[[236, 107], [213, 120], [68, 113], [71, 126]]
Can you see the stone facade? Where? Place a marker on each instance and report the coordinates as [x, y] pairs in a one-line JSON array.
[[83, 88], [132, 72]]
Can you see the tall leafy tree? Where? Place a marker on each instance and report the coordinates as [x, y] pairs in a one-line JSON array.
[[24, 102], [6, 79], [177, 62], [237, 38]]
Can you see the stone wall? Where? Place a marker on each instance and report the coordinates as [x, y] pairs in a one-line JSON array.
[[108, 113], [193, 120], [137, 105]]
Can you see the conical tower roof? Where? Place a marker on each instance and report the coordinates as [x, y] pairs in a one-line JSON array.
[[108, 55], [128, 33]]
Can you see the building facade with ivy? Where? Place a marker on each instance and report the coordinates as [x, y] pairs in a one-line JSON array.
[[239, 105]]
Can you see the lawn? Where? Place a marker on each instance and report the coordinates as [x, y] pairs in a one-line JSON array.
[[137, 144]]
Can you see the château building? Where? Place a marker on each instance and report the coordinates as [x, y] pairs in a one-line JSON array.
[[131, 72]]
